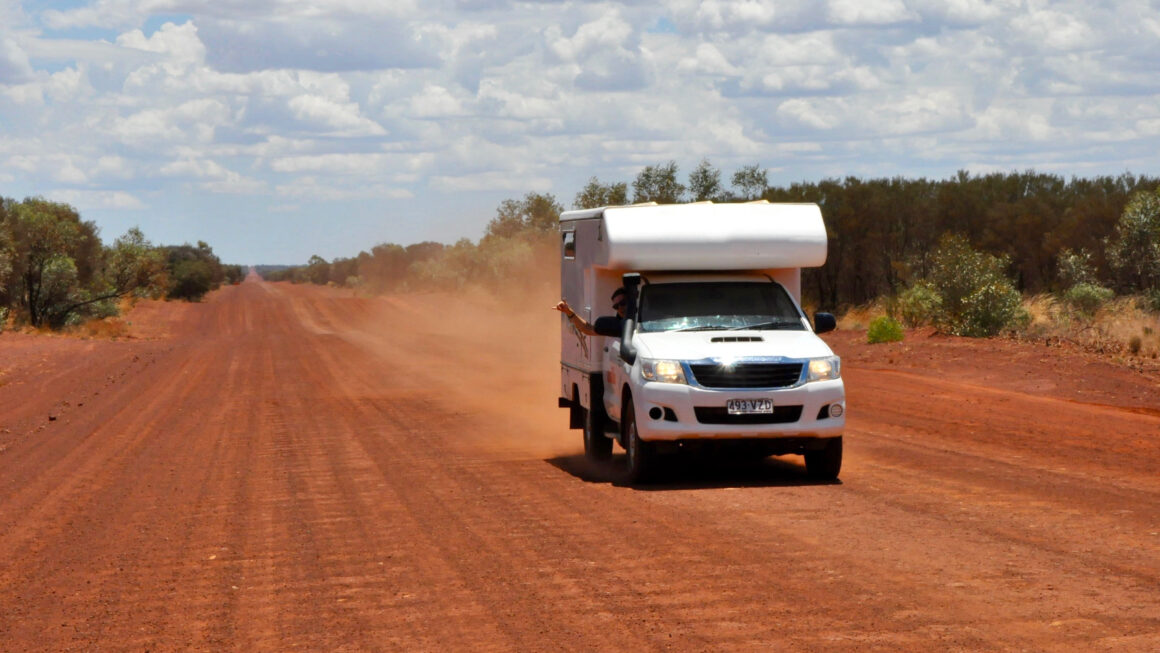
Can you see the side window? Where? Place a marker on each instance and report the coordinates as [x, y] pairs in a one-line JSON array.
[[569, 245]]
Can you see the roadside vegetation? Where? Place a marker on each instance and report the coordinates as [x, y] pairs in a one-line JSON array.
[[1023, 253], [55, 271]]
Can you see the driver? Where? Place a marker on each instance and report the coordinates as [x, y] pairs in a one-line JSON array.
[[609, 325]]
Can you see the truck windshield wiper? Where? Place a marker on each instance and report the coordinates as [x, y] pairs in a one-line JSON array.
[[773, 324], [711, 327]]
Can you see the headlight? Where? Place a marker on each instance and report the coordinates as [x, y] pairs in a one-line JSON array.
[[662, 371], [822, 369]]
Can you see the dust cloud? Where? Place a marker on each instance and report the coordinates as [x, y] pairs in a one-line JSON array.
[[495, 357]]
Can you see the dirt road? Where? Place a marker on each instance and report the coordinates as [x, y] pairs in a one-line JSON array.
[[291, 468]]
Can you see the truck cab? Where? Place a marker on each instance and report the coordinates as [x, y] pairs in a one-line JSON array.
[[715, 350]]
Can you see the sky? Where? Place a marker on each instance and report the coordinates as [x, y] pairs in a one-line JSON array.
[[275, 129]]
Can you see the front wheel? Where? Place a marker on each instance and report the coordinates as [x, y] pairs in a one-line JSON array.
[[826, 463], [641, 455]]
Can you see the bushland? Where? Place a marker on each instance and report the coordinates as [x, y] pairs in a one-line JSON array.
[[971, 255], [56, 272]]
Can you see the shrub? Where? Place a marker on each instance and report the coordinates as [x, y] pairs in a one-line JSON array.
[[977, 299], [1134, 344], [3, 317], [1154, 299], [234, 274], [191, 280], [918, 305], [1087, 298], [993, 307], [884, 329], [1076, 268]]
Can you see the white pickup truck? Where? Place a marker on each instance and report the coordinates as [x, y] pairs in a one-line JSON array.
[[714, 349]]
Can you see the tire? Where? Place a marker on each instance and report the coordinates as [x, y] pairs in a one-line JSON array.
[[641, 455], [826, 463], [597, 446]]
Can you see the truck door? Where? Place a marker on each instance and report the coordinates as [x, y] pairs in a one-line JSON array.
[[613, 369]]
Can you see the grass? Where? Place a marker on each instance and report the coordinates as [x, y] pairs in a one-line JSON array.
[[1123, 327], [860, 317], [107, 328]]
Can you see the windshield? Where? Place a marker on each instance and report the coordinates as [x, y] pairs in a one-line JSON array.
[[717, 306]]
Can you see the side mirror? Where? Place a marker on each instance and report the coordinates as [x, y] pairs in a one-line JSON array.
[[824, 322], [627, 347]]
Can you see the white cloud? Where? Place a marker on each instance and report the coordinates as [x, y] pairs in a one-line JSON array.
[[319, 190], [435, 102], [352, 100], [343, 118], [869, 12], [357, 164], [609, 31], [211, 176], [112, 167], [707, 60], [604, 53], [733, 16], [196, 120], [481, 181], [14, 64], [811, 113], [1054, 29], [1016, 121], [85, 200], [130, 13], [178, 43]]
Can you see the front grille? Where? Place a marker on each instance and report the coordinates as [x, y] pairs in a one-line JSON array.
[[747, 375], [720, 415]]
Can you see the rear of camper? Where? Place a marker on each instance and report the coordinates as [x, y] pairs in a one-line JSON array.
[[715, 350]]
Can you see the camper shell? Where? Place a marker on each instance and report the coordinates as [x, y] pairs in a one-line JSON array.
[[715, 349]]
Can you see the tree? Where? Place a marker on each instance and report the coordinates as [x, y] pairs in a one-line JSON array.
[[193, 271], [47, 240], [596, 194], [705, 182], [658, 184], [344, 272], [1133, 249], [235, 274], [535, 213], [6, 256], [751, 181], [317, 270], [131, 265]]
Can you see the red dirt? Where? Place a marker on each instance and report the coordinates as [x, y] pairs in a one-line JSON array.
[[294, 468]]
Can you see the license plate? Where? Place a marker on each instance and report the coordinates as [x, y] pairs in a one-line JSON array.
[[749, 406]]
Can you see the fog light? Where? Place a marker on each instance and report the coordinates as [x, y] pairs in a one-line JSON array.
[[836, 410], [655, 412]]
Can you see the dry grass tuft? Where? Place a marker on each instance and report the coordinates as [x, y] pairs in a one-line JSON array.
[[1123, 326], [107, 328], [860, 317]]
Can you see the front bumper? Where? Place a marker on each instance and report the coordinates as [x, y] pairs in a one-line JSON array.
[[668, 411]]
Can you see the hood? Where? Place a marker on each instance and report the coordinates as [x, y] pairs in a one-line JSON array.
[[699, 345]]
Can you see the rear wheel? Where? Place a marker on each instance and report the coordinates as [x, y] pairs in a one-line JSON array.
[[641, 455], [826, 463]]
